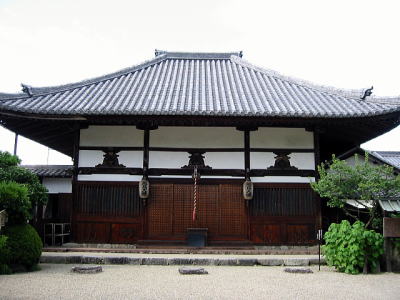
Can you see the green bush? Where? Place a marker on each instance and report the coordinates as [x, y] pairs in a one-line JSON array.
[[347, 247], [4, 256], [25, 247], [10, 171], [15, 200]]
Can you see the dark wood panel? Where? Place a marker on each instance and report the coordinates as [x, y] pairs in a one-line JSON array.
[[300, 233], [283, 201], [273, 234], [183, 208], [159, 211], [125, 233], [108, 200], [207, 209], [92, 232], [233, 217], [64, 209]]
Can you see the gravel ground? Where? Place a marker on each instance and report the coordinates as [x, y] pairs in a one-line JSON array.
[[164, 282]]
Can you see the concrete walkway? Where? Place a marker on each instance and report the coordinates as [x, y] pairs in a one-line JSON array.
[[100, 258]]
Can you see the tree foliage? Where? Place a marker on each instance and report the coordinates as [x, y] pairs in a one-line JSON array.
[[14, 199], [363, 182], [10, 171], [20, 189]]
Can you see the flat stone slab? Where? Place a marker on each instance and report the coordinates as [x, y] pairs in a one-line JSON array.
[[296, 262], [87, 270], [192, 271], [98, 259], [298, 270]]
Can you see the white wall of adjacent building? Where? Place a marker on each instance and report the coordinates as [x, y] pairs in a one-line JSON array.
[[195, 137], [58, 185]]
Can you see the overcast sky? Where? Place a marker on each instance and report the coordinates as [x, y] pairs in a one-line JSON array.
[[345, 44]]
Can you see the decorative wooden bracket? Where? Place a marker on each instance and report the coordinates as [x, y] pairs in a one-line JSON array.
[[196, 159], [110, 159], [282, 161]]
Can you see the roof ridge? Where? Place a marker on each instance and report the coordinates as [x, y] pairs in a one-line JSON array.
[[198, 55], [384, 100], [46, 166], [40, 91], [355, 94]]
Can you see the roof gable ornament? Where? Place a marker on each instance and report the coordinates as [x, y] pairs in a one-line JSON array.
[[27, 89], [367, 92]]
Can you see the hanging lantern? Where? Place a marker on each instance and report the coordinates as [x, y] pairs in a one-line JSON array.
[[248, 189], [144, 188]]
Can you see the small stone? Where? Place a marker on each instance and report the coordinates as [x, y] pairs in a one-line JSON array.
[[87, 270], [298, 270], [192, 270]]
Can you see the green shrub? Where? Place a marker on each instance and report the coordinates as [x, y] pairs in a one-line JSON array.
[[25, 247], [15, 200], [4, 256], [348, 246]]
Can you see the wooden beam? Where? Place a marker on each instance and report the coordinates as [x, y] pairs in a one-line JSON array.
[[202, 171], [173, 149]]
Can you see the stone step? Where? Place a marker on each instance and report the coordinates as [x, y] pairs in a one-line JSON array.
[[170, 249], [188, 260]]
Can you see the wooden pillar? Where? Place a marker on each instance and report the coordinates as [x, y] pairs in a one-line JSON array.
[[317, 161], [246, 130], [247, 153], [75, 159], [15, 144], [146, 143]]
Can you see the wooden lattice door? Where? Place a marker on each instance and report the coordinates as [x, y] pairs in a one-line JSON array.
[[159, 211], [220, 208]]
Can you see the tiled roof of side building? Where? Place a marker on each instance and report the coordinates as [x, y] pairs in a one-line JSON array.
[[55, 171], [390, 157], [215, 84]]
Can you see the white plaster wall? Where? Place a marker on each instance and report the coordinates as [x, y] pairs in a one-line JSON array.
[[216, 160], [111, 136], [262, 160], [283, 179], [196, 137], [91, 158], [360, 158], [271, 137], [161, 159], [58, 185]]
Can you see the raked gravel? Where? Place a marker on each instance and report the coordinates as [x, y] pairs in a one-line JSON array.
[[56, 281]]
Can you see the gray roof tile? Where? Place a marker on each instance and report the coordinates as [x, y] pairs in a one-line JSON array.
[[390, 157], [56, 171], [219, 84]]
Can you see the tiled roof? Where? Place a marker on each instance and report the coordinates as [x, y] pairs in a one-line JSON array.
[[390, 205], [214, 84], [390, 157], [60, 171]]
